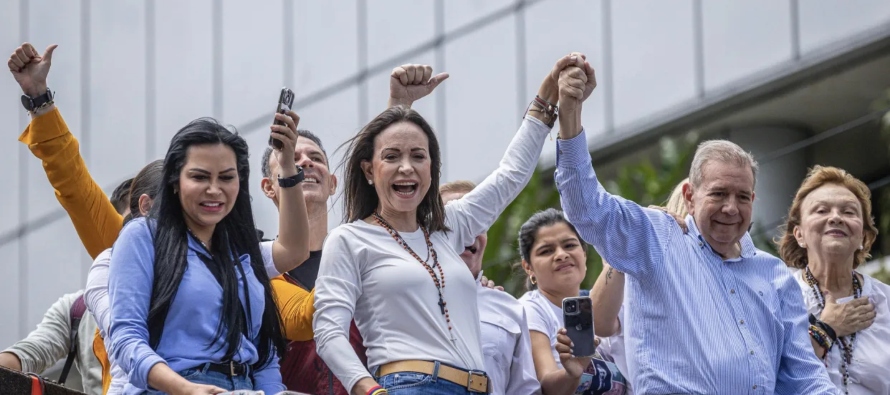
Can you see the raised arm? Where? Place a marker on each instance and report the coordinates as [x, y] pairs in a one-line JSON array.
[[629, 237], [94, 217], [477, 210], [291, 248], [337, 290], [607, 296]]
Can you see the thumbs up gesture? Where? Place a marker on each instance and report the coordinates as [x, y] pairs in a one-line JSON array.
[[30, 69], [411, 82]]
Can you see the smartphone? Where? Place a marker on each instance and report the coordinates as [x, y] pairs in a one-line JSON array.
[[285, 101], [578, 315]]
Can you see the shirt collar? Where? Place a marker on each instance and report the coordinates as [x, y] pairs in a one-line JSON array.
[[748, 247]]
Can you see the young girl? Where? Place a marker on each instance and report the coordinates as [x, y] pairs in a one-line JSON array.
[[555, 259]]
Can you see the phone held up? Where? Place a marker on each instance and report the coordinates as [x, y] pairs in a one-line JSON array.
[[578, 314], [285, 101]]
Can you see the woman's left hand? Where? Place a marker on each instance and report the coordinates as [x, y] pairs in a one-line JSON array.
[[287, 135], [573, 365]]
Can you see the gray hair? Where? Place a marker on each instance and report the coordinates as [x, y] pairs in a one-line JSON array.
[[720, 151]]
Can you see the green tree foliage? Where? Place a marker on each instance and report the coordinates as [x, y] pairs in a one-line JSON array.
[[646, 183], [883, 194]]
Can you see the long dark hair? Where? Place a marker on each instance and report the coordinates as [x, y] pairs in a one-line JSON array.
[[233, 236], [361, 198], [528, 234], [147, 182]]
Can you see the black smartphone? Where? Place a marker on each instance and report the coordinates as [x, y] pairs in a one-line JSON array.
[[578, 315], [285, 101]]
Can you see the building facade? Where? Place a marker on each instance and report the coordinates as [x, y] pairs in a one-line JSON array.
[[772, 75]]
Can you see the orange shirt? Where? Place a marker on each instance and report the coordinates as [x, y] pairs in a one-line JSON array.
[[96, 221]]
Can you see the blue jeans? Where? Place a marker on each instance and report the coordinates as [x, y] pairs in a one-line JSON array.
[[410, 383], [200, 375]]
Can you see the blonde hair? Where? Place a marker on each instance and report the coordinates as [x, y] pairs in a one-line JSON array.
[[796, 256], [676, 203], [460, 186]]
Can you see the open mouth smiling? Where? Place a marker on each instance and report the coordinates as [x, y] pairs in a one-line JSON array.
[[405, 188]]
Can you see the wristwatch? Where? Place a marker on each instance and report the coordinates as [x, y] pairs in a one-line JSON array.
[[293, 180], [33, 103]]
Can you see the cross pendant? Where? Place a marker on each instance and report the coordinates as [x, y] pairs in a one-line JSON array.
[[442, 305]]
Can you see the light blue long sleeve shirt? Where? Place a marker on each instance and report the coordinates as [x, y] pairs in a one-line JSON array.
[[695, 323], [190, 329]]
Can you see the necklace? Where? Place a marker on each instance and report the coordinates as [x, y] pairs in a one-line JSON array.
[[844, 343], [198, 239], [440, 285]]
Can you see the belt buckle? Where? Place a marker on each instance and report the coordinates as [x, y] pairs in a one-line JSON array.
[[471, 374], [232, 368]]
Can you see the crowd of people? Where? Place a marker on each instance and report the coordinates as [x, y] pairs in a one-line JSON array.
[[186, 296]]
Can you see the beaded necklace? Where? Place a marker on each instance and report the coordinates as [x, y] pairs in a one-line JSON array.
[[845, 344], [440, 286]]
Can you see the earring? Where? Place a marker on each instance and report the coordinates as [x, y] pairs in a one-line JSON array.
[[534, 281], [370, 182], [802, 245], [861, 247]]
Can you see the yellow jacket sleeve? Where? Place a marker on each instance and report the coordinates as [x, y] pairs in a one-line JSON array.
[[94, 217], [295, 306]]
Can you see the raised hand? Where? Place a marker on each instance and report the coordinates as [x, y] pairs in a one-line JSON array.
[[411, 82], [287, 135], [549, 89], [30, 68]]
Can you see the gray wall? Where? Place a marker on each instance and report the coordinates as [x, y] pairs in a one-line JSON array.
[[129, 73]]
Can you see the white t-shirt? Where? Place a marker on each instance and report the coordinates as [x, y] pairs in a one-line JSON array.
[[365, 274], [544, 317], [870, 370], [506, 345]]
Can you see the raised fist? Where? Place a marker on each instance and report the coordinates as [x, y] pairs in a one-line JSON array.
[[572, 82], [30, 68], [411, 82]]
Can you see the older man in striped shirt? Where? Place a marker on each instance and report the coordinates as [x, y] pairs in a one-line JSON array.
[[708, 312]]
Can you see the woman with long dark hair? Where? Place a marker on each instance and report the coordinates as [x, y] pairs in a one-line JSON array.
[[192, 309], [142, 191], [395, 265]]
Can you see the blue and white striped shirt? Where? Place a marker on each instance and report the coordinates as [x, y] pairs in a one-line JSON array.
[[695, 323]]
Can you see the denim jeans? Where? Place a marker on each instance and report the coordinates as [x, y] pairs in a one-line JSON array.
[[410, 383], [200, 375]]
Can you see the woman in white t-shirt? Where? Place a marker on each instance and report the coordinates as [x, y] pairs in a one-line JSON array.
[[555, 259], [394, 266]]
